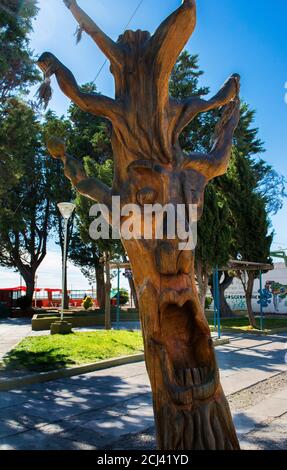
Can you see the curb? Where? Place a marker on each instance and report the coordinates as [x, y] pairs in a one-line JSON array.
[[221, 341], [19, 382], [254, 332]]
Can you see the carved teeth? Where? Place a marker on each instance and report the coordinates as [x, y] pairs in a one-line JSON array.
[[180, 374], [187, 385], [196, 376], [188, 378]]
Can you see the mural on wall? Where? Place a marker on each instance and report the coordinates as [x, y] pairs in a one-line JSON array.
[[279, 294], [275, 296], [236, 302]]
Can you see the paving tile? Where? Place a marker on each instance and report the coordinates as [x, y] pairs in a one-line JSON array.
[[282, 395], [270, 435], [270, 408], [8, 427], [241, 380], [17, 415], [119, 425], [247, 343], [12, 398], [244, 423], [37, 440]]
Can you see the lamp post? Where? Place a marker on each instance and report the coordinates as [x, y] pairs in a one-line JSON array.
[[66, 209], [36, 285]]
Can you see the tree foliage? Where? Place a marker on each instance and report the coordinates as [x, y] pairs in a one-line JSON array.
[[17, 68], [237, 205], [25, 205]]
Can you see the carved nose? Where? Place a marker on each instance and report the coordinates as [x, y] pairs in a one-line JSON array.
[[171, 261], [166, 256]]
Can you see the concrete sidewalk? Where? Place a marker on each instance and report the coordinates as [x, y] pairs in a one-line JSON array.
[[12, 331], [97, 410]]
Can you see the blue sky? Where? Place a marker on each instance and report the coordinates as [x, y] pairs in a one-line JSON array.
[[244, 36]]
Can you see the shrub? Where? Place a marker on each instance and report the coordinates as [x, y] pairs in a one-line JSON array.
[[88, 303], [208, 302], [124, 296]]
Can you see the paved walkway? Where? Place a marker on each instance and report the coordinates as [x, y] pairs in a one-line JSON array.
[[97, 410], [13, 330]]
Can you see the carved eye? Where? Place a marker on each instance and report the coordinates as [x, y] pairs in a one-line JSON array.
[[146, 196]]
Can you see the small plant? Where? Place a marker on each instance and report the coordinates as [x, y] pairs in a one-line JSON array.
[[208, 302], [124, 296], [88, 303]]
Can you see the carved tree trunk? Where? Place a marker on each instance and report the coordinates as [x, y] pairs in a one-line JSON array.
[[190, 408]]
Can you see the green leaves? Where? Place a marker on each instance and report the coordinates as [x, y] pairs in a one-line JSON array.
[[17, 69], [24, 190]]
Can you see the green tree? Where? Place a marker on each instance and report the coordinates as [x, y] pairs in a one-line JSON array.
[[213, 231], [87, 138], [214, 238], [17, 68], [85, 252], [60, 188], [218, 234], [252, 237], [25, 207]]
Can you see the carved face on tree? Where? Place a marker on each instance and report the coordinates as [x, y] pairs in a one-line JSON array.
[[177, 333], [191, 411]]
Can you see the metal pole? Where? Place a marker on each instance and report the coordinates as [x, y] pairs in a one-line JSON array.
[[36, 279], [118, 300], [218, 303], [261, 302], [64, 266], [108, 325], [214, 298]]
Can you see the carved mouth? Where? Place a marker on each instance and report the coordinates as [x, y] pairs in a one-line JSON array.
[[194, 384], [190, 384], [190, 371]]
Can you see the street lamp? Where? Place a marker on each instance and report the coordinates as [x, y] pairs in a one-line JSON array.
[[36, 285], [66, 209]]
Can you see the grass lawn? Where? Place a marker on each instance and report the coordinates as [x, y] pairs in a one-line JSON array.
[[51, 352], [243, 323]]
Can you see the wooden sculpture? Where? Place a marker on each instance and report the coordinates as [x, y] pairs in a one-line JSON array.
[[191, 411]]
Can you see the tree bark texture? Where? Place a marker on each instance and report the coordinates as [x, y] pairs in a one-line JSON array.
[[248, 296], [202, 278], [191, 411], [224, 283], [100, 282]]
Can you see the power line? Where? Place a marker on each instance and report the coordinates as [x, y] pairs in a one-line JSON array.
[[127, 25]]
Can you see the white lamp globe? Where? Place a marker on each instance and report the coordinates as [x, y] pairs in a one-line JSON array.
[[66, 209]]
